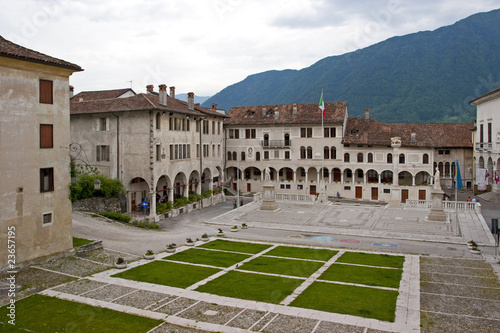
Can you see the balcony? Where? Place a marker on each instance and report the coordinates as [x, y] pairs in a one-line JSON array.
[[276, 143], [483, 146]]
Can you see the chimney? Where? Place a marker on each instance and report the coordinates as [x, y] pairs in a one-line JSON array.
[[162, 94], [172, 92], [71, 91], [367, 113], [294, 108], [191, 100], [80, 99], [214, 107], [197, 105], [413, 136], [149, 88], [264, 110]]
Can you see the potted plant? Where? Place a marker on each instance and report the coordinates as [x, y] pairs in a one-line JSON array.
[[120, 263], [471, 244], [234, 229], [475, 250], [171, 247], [189, 242], [220, 233], [244, 226], [149, 255], [204, 237]]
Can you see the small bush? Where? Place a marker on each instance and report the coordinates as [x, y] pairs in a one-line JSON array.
[[84, 187], [116, 216], [180, 202], [145, 224], [206, 194], [194, 197], [164, 207]]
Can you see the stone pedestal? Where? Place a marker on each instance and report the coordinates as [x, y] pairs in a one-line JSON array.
[[322, 197], [437, 212], [395, 201], [268, 197]]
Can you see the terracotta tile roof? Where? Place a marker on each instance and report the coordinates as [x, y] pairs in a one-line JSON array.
[[369, 131], [306, 114], [101, 94], [138, 102], [11, 50]]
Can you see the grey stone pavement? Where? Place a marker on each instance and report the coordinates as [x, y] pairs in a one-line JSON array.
[[357, 227]]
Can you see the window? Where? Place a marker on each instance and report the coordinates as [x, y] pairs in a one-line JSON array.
[[333, 153], [235, 156], [346, 157], [205, 126], [46, 180], [257, 156], [187, 124], [236, 133], [103, 124], [47, 219], [401, 158], [325, 173], [360, 173], [46, 136], [302, 152], [102, 153], [158, 153], [266, 155], [158, 120], [326, 153], [218, 150], [231, 133], [229, 156], [213, 150], [389, 158], [172, 152], [287, 155], [329, 132], [213, 127], [489, 132], [306, 132], [242, 155], [360, 157], [309, 152], [276, 154], [218, 127], [370, 158], [481, 133], [46, 92], [188, 151], [197, 126], [198, 148], [309, 132], [425, 159], [250, 133]]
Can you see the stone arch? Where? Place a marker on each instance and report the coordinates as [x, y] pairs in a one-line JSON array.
[[423, 178], [194, 180], [163, 187], [337, 175], [386, 177], [138, 191], [372, 176], [348, 176], [405, 178], [286, 173], [206, 179]]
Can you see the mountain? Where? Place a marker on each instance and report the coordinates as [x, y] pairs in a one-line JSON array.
[[197, 99], [427, 76]]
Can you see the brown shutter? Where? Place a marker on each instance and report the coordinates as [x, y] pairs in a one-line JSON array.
[[46, 136], [46, 92]]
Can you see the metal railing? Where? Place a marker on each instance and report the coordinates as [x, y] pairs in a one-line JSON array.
[[276, 143]]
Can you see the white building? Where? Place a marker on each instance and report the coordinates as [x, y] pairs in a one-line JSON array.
[[488, 140], [149, 141]]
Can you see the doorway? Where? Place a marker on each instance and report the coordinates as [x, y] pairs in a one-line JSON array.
[[404, 196], [422, 195], [359, 192], [374, 193]]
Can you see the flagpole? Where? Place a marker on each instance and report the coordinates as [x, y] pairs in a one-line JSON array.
[[456, 184], [322, 137]]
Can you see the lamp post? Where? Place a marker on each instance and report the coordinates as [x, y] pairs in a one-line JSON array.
[[97, 184]]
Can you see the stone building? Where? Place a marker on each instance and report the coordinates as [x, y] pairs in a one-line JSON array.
[[487, 140], [160, 147], [34, 154], [358, 158]]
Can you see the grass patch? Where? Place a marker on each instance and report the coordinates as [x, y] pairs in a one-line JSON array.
[[357, 301], [302, 253], [42, 314], [168, 274], [206, 257], [370, 276], [116, 216], [370, 259], [225, 245], [292, 267], [81, 241], [257, 287]]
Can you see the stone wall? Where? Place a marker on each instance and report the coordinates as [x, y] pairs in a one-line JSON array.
[[98, 205]]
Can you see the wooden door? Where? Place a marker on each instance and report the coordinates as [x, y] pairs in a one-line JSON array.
[[249, 187], [312, 190], [374, 193], [132, 202], [359, 192], [421, 195], [404, 196]]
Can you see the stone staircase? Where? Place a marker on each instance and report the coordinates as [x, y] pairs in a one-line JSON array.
[[490, 196]]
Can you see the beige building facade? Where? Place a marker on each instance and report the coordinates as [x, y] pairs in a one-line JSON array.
[[161, 148], [34, 154]]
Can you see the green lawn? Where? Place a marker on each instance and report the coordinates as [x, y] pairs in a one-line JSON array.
[[357, 301], [168, 273], [371, 259], [302, 253], [292, 267], [207, 257], [81, 241], [225, 245], [370, 276], [262, 288], [42, 314]]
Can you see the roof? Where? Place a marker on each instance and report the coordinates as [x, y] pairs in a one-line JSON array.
[[101, 94], [97, 103], [306, 114], [11, 50], [369, 131], [491, 95]]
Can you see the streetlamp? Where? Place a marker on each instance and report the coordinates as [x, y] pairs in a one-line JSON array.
[[97, 184]]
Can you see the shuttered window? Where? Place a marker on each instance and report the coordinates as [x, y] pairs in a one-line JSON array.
[[46, 136], [46, 92], [46, 180]]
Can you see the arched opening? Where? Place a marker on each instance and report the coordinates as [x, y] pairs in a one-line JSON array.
[[333, 153], [347, 176], [301, 174], [286, 174], [309, 153], [481, 163], [326, 153], [257, 156], [180, 185], [425, 159], [372, 176], [360, 158], [287, 139], [303, 152], [405, 178], [194, 179], [229, 156], [242, 155], [138, 189], [401, 158], [358, 176], [422, 178], [235, 156], [346, 157], [337, 175], [370, 158], [386, 177], [389, 158]]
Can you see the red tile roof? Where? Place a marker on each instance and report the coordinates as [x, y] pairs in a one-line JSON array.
[[11, 50], [369, 131], [96, 103], [306, 114], [101, 94]]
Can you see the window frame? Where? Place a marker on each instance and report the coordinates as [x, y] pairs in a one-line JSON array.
[[50, 175], [45, 136], [46, 91]]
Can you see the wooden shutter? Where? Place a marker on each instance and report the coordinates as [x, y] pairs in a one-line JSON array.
[[46, 92], [46, 136], [98, 153]]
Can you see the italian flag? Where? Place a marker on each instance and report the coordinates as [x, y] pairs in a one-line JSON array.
[[322, 104]]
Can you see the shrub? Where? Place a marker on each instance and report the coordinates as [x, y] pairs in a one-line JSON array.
[[206, 193], [194, 197], [218, 189], [84, 187], [145, 224], [179, 202], [164, 207], [116, 216]]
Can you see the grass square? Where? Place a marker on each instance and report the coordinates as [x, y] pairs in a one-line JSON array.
[[207, 257], [256, 287], [357, 301], [39, 313], [302, 253], [168, 273], [370, 276], [242, 247], [372, 259], [292, 267]]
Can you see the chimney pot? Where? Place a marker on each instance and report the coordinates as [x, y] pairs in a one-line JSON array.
[[367, 113], [149, 88], [214, 107], [294, 108], [197, 105], [71, 91], [172, 92], [264, 110], [162, 96], [191, 100]]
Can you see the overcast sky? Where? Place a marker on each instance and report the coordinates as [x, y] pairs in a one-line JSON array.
[[205, 45]]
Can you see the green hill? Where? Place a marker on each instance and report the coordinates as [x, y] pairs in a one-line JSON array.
[[428, 76]]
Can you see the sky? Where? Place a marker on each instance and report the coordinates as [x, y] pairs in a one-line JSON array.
[[204, 46]]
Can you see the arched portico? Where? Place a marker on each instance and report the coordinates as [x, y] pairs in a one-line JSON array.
[[206, 180], [164, 190], [180, 183], [405, 178], [137, 192]]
